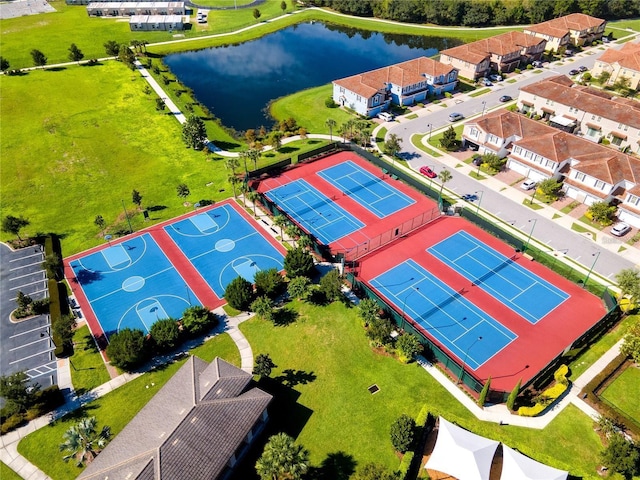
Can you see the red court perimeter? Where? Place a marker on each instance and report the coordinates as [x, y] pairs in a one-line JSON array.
[[537, 344]]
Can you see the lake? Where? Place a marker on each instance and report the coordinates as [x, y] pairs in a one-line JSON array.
[[237, 82]]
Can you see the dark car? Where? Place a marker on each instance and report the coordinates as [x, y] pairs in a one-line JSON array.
[[574, 72], [477, 160], [428, 172], [470, 197], [505, 98], [582, 68]]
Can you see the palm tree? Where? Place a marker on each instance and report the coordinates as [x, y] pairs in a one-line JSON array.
[[280, 221], [282, 459], [292, 231], [444, 176], [330, 123], [244, 156], [304, 241], [234, 181], [253, 198], [83, 442], [232, 163], [254, 155]]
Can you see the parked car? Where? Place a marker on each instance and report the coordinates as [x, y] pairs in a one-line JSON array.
[[455, 116], [486, 82], [568, 53], [426, 171], [386, 116], [505, 98], [574, 72], [528, 184], [582, 68], [495, 77], [605, 40], [477, 160], [620, 229], [537, 64], [470, 197]]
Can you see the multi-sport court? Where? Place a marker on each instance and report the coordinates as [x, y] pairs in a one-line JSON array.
[[159, 272], [477, 298]]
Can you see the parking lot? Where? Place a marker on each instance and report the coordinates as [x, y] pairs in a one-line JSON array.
[[25, 345]]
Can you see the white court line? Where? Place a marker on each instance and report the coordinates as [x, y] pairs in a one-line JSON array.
[[26, 285], [28, 344], [37, 272], [29, 331], [120, 289], [25, 266], [31, 356], [26, 256], [235, 240]]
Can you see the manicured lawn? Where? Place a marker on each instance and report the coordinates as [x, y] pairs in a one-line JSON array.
[[434, 141], [7, 474], [624, 391], [326, 348], [80, 140], [115, 409], [88, 369]]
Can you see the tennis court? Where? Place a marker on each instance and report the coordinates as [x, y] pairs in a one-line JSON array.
[[132, 284], [521, 290], [221, 244], [445, 314], [370, 191], [315, 212]]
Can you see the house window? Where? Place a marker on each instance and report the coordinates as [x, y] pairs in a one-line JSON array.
[[616, 141], [358, 98], [580, 176], [474, 132], [592, 132], [633, 199], [517, 150], [599, 184], [341, 89]]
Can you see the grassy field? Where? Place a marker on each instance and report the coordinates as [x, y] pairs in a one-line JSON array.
[[7, 474], [88, 370], [624, 391], [115, 409], [327, 349]]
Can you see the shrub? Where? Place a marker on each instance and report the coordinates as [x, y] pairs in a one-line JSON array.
[[298, 263], [329, 103], [484, 392], [299, 287], [263, 307], [331, 285], [531, 411], [165, 334], [560, 375], [552, 393], [13, 422], [448, 94], [402, 433], [127, 349], [405, 464], [239, 293], [197, 320], [511, 400], [517, 70], [379, 331], [269, 282], [529, 67], [409, 346]]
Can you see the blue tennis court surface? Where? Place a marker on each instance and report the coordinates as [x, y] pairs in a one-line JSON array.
[[371, 192], [132, 284], [314, 211], [521, 290], [222, 245], [442, 312]]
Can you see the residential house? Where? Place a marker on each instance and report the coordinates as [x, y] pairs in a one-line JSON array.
[[471, 62], [623, 63], [127, 9], [575, 29], [154, 23], [198, 426], [594, 114], [404, 83]]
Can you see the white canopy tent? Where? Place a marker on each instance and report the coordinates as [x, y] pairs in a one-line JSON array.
[[517, 465], [462, 454]]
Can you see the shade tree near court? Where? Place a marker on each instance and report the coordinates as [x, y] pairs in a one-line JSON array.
[[393, 144], [298, 262], [127, 348], [239, 294], [197, 320], [628, 280]]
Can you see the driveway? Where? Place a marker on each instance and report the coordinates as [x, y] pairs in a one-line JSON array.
[[25, 345]]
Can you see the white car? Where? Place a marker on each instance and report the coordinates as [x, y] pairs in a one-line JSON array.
[[528, 184], [386, 116], [620, 229], [455, 116]]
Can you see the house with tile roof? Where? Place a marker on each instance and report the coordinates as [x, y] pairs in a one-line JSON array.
[[591, 113], [589, 172], [575, 29], [623, 63], [127, 9], [404, 83], [502, 53], [198, 426]]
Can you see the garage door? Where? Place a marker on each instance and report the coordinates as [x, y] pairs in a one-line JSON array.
[[518, 167]]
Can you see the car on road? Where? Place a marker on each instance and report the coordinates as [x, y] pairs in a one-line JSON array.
[[620, 229], [455, 116], [426, 171], [495, 77], [537, 64], [505, 98], [486, 82], [386, 116], [574, 72], [528, 184], [470, 197], [582, 68]]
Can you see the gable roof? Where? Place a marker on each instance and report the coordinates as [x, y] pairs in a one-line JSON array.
[[627, 57], [503, 44], [559, 27], [505, 124], [189, 429]]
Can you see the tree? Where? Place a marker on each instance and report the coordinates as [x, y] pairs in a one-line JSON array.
[[275, 140], [4, 64], [304, 242], [449, 141], [331, 123], [282, 459], [254, 155], [268, 282], [126, 348], [17, 392], [126, 56], [160, 105], [283, 6], [280, 221], [444, 176], [631, 344], [250, 136], [511, 400], [621, 456], [256, 14], [299, 287], [64, 329], [372, 471], [379, 331], [493, 161], [409, 346], [197, 320], [629, 283], [24, 301], [331, 285], [549, 187], [183, 190], [165, 333], [402, 433], [83, 441], [264, 365], [13, 225], [603, 78], [111, 48], [75, 54], [298, 263], [263, 307], [194, 132], [601, 212], [232, 163], [136, 198], [482, 398], [392, 145], [234, 181], [100, 223], [254, 197], [292, 231], [368, 310], [39, 59], [239, 293]]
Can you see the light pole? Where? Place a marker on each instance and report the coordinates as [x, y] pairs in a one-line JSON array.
[[526, 245], [404, 303], [431, 179], [484, 105], [430, 125], [481, 192], [466, 355], [597, 255], [127, 215]]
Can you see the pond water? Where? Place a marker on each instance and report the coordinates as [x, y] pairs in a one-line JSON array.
[[237, 82]]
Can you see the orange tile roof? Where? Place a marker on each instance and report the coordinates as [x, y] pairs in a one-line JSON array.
[[466, 53], [559, 27], [505, 124], [589, 100], [503, 44], [627, 57]]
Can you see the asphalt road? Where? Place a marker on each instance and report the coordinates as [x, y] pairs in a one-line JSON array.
[[26, 345], [578, 247]]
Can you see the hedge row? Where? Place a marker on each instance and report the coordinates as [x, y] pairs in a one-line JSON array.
[[55, 312], [551, 394], [44, 401], [424, 424]]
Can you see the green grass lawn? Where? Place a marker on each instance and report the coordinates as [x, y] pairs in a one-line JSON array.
[[327, 347], [624, 392], [115, 409], [434, 141], [80, 140], [88, 369], [7, 474], [480, 92]]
